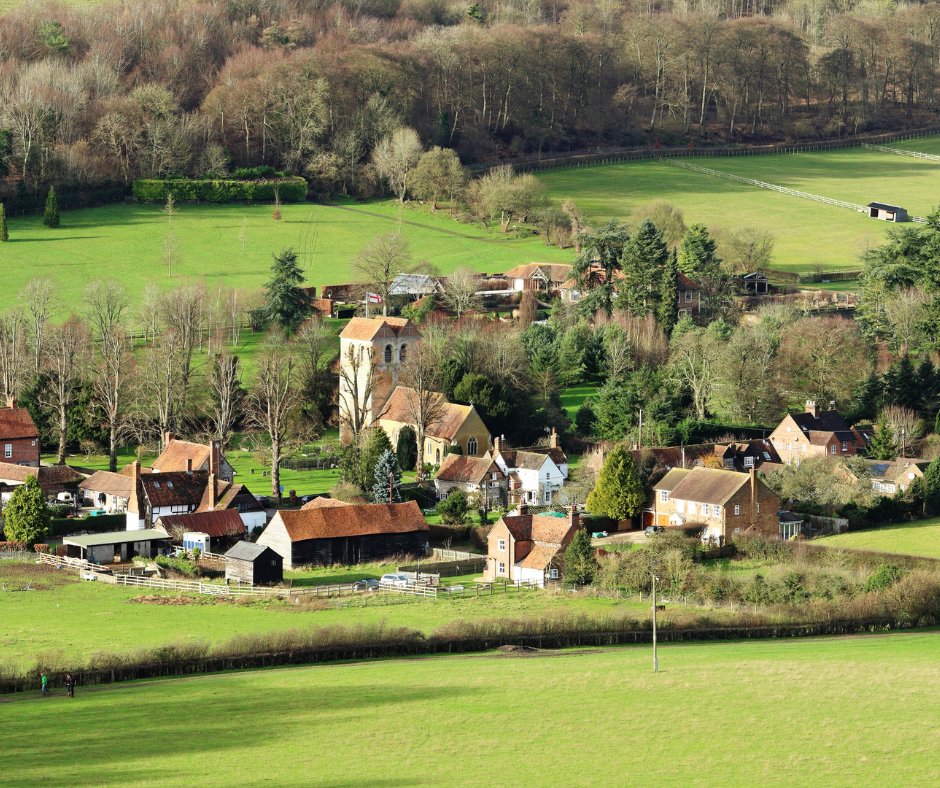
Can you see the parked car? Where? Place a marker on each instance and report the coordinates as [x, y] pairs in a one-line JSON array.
[[399, 581], [366, 584], [65, 497], [652, 530]]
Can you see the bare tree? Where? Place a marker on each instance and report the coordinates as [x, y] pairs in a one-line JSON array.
[[12, 355], [63, 358], [356, 384], [460, 291], [274, 400], [426, 405], [105, 305], [183, 312], [226, 392], [113, 372], [395, 158], [380, 261], [316, 344], [904, 424], [161, 371], [39, 298]]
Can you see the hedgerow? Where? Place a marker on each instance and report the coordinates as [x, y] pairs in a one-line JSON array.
[[184, 190]]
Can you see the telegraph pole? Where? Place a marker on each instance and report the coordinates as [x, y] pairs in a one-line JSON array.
[[655, 657]]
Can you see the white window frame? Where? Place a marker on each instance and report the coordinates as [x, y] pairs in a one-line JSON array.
[[501, 545], [688, 296], [501, 570], [737, 509], [832, 449], [664, 496], [7, 450], [748, 462], [757, 508], [845, 445], [552, 573]]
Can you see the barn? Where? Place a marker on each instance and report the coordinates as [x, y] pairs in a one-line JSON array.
[[253, 564], [117, 547], [222, 527], [347, 534], [887, 213]]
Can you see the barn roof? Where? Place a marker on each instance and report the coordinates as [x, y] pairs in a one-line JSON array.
[[881, 206], [117, 484], [353, 520], [17, 423], [116, 537], [246, 551], [224, 522]]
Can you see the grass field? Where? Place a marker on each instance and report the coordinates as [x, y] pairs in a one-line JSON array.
[[807, 233], [574, 397], [851, 711], [920, 538], [77, 619], [126, 242]]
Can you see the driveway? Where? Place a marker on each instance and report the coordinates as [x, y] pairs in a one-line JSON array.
[[628, 537]]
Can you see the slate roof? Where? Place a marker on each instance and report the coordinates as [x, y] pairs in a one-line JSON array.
[[117, 484], [452, 417], [16, 423], [223, 522], [246, 551], [353, 520], [174, 456], [707, 485], [827, 421], [370, 327], [884, 206], [472, 470], [116, 537]]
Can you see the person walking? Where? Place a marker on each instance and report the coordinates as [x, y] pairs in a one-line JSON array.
[[45, 684], [70, 685]]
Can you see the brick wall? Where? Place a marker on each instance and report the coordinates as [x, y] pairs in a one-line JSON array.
[[24, 451]]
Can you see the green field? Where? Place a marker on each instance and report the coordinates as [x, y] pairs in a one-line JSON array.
[[807, 233], [126, 242], [921, 538], [71, 619], [851, 711]]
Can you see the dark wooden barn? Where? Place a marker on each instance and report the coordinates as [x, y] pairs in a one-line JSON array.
[[253, 564], [347, 534]]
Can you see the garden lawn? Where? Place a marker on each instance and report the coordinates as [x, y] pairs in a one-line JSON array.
[[77, 619], [863, 711], [921, 538], [126, 242], [574, 397], [807, 234]]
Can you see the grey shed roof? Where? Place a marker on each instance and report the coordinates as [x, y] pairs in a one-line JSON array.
[[884, 206], [412, 284], [117, 537], [246, 551]]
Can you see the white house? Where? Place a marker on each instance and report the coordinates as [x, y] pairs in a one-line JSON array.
[[535, 473]]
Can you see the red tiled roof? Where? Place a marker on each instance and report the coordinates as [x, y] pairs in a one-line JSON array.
[[225, 522], [324, 503], [370, 327], [556, 272], [399, 408], [685, 283], [353, 520], [16, 423], [176, 454], [459, 468], [48, 475], [547, 529]]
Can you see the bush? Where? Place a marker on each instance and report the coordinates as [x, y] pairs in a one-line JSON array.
[[885, 576], [155, 190], [180, 565], [453, 509]]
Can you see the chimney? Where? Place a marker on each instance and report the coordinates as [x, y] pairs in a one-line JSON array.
[[496, 443], [189, 465], [215, 453], [753, 480], [134, 503], [523, 509], [167, 437], [812, 407], [573, 518], [11, 401], [210, 488], [553, 439]]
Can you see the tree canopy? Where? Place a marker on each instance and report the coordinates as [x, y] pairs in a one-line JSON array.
[[618, 493], [26, 517], [288, 304]]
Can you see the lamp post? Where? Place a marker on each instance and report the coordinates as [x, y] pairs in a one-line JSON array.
[[655, 657]]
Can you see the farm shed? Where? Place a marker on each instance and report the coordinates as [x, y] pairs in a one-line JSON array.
[[117, 547], [223, 527], [253, 564], [347, 534], [888, 213]]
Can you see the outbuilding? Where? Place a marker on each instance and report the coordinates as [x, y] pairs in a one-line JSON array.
[[887, 213], [253, 564], [117, 547]]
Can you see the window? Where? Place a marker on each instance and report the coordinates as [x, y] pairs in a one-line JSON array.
[[7, 450], [553, 574], [748, 462], [402, 352], [501, 545], [437, 457], [388, 354], [737, 510], [688, 296], [845, 445], [502, 568], [716, 510], [548, 496], [832, 449], [788, 445], [170, 485], [494, 477], [664, 495], [757, 508], [472, 447]]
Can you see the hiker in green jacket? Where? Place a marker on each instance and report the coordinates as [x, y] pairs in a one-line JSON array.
[[45, 684]]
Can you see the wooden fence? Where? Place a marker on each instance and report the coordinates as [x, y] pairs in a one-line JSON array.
[[916, 154], [217, 589], [439, 554], [61, 561]]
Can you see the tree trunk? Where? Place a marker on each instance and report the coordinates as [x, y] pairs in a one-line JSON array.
[[63, 426], [112, 448], [276, 468]]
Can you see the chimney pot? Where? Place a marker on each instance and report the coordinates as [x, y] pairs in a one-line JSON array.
[[214, 456], [167, 438]]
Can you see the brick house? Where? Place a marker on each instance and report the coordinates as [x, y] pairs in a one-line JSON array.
[[526, 548], [816, 433], [472, 475], [689, 296], [725, 502], [19, 438], [180, 455]]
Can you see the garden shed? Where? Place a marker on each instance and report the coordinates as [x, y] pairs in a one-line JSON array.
[[118, 546], [888, 213], [253, 564]]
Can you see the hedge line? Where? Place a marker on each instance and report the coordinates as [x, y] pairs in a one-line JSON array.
[[102, 524], [154, 190]]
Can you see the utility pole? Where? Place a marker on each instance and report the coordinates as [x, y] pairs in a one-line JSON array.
[[655, 657], [640, 440]]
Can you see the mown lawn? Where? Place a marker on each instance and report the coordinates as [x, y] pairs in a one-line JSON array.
[[574, 397], [76, 619], [834, 712], [920, 538], [327, 238], [807, 233]]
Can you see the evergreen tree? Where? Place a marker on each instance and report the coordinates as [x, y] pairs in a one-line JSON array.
[[883, 445], [374, 445], [26, 517], [51, 216], [619, 492], [698, 252], [596, 264], [288, 304], [926, 386], [4, 234], [930, 487], [868, 399], [387, 485], [580, 562], [901, 384], [644, 257], [453, 509], [667, 309], [406, 449]]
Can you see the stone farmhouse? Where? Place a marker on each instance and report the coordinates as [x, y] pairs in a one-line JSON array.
[[816, 433], [19, 438], [527, 548], [472, 475], [726, 503]]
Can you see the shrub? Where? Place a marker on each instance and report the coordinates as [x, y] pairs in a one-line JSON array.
[[155, 190], [885, 576], [180, 565], [453, 509]]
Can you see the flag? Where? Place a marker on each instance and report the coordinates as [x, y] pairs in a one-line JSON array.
[[373, 298]]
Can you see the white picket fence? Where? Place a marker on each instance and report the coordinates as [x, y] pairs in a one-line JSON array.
[[773, 187], [914, 154]]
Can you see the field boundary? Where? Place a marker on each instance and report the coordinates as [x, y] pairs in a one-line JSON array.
[[915, 154]]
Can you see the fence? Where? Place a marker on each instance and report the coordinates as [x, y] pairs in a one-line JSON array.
[[441, 555], [60, 561], [17, 555], [901, 152], [215, 589]]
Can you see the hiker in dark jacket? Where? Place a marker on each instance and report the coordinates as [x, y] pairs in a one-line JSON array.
[[70, 685]]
